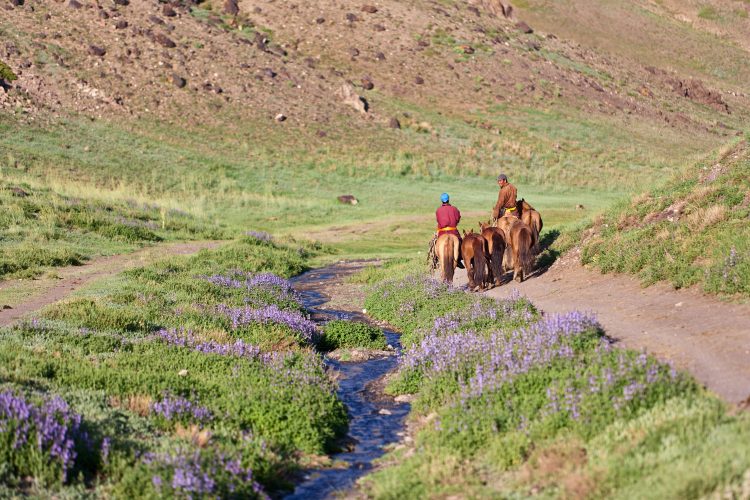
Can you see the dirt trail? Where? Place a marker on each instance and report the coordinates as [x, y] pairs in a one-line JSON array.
[[40, 293], [698, 333]]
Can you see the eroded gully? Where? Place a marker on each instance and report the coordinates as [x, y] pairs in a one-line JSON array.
[[375, 419]]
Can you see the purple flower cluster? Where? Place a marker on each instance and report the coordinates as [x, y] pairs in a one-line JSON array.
[[305, 328], [124, 221], [623, 382], [193, 474], [51, 426], [260, 236], [281, 288], [496, 358], [501, 312], [178, 408], [185, 338]]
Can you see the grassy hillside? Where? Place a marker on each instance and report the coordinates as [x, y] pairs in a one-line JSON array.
[[693, 230]]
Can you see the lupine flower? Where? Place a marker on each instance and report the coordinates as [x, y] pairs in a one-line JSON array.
[[306, 329], [51, 427], [185, 338], [178, 408], [194, 474], [499, 356], [279, 287], [260, 236]]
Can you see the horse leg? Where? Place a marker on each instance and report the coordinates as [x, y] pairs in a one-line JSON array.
[[517, 268], [490, 277]]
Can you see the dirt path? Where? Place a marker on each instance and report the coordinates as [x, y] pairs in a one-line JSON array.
[[26, 296], [707, 337]]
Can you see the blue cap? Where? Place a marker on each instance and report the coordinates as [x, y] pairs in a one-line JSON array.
[[444, 197]]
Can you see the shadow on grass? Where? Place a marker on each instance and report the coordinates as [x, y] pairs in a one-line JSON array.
[[547, 254]]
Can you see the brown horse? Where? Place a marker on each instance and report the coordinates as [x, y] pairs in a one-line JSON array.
[[519, 243], [531, 218], [494, 249], [472, 250], [448, 252]]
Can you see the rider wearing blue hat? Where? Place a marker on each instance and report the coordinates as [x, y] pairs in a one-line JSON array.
[[448, 218]]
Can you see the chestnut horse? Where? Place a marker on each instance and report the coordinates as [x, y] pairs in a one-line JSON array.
[[494, 249], [472, 250], [519, 243], [447, 249], [531, 218]]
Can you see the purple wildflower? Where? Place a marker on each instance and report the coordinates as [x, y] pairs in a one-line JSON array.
[[185, 338], [195, 475], [51, 427], [260, 236], [239, 317], [179, 408]]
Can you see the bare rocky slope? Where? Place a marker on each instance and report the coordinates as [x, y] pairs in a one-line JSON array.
[[308, 64]]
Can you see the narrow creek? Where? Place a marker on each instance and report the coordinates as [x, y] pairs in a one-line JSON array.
[[375, 419]]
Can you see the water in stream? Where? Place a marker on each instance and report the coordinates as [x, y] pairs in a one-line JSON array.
[[375, 420]]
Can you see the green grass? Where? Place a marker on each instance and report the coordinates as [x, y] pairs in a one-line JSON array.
[[224, 181], [708, 12], [338, 334], [42, 228], [101, 352], [690, 232]]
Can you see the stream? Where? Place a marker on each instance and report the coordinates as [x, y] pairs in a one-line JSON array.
[[375, 420]]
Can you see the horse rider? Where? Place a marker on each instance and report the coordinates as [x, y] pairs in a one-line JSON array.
[[448, 218], [506, 198]]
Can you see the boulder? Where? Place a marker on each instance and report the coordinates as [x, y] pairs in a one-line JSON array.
[[280, 117], [394, 123], [75, 4], [524, 28], [367, 83], [348, 199], [370, 9], [164, 41], [419, 80], [97, 51], [351, 98], [231, 7], [121, 25], [124, 3], [178, 81], [168, 11]]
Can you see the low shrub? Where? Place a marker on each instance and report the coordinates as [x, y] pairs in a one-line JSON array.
[[339, 334]]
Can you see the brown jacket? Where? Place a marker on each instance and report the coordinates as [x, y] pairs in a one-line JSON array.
[[506, 198]]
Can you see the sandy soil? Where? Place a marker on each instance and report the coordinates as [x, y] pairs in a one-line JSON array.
[[698, 333], [72, 278]]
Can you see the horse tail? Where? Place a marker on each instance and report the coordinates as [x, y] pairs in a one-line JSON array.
[[447, 259], [525, 255], [480, 263]]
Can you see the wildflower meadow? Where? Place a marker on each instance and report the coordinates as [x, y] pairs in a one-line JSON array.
[[511, 402]]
